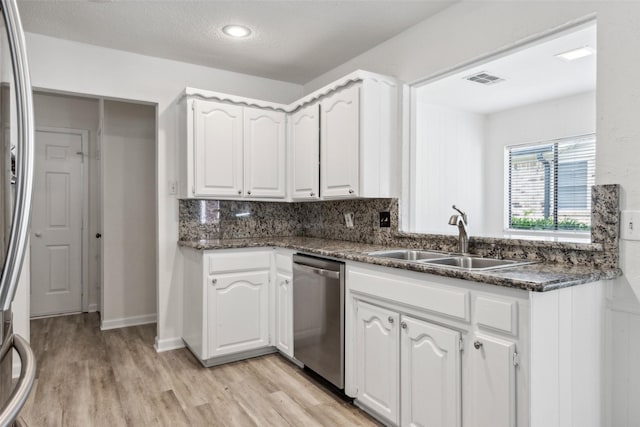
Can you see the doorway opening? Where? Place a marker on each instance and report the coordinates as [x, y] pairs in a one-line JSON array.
[[93, 234]]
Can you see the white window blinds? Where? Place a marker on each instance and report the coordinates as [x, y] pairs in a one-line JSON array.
[[550, 183]]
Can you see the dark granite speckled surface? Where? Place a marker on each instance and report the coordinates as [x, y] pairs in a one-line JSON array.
[[319, 228], [540, 277]]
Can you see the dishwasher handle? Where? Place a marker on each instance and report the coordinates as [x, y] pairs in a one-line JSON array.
[[319, 271]]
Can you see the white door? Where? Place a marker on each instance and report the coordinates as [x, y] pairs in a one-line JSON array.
[[56, 222], [429, 374], [238, 312], [340, 143], [217, 149], [377, 360], [264, 153], [492, 399], [304, 133], [284, 314]]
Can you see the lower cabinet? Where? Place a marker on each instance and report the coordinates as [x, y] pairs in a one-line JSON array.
[[227, 309], [284, 313], [238, 312], [492, 398], [398, 355]]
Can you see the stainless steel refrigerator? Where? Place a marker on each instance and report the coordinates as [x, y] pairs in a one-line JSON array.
[[16, 176]]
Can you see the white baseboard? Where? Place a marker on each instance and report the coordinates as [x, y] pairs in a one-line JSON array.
[[128, 321], [168, 344], [92, 308]]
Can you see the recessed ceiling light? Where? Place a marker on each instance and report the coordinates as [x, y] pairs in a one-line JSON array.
[[236, 31], [574, 54]]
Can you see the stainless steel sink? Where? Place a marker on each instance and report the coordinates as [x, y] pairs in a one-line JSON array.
[[408, 255], [473, 263]]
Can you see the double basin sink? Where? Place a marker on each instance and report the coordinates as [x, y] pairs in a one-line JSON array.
[[446, 260]]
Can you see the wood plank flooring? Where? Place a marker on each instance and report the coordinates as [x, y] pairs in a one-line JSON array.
[[87, 377]]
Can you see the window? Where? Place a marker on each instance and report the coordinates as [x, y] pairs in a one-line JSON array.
[[549, 184]]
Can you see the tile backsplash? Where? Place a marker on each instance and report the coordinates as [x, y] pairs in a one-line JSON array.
[[222, 219]]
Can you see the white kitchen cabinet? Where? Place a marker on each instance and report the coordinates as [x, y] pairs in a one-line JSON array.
[[358, 139], [492, 400], [377, 355], [227, 309], [238, 312], [284, 314], [429, 374], [521, 363], [217, 149], [340, 143], [304, 143], [264, 153]]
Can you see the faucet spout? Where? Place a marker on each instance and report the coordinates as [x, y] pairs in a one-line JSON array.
[[463, 230]]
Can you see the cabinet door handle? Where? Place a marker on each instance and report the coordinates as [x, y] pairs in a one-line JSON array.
[[214, 281], [351, 191], [249, 192], [312, 194], [403, 325], [390, 319], [239, 191], [477, 344], [286, 281]]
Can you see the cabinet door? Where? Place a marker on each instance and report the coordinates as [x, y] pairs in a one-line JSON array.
[[284, 314], [304, 131], [492, 397], [238, 312], [217, 149], [340, 143], [264, 153], [429, 374], [377, 362]]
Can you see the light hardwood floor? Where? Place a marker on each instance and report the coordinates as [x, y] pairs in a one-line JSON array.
[[86, 377]]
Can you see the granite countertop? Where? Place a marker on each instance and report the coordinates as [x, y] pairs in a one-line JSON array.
[[539, 277]]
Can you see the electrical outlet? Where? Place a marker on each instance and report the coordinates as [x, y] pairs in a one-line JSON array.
[[348, 219], [173, 187], [385, 219], [630, 225]]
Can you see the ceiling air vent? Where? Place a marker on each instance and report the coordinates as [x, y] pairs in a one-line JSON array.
[[484, 78]]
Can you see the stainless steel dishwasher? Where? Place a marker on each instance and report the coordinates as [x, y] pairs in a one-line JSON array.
[[318, 316]]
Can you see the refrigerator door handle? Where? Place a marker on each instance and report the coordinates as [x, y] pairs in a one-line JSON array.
[[24, 159], [20, 393]]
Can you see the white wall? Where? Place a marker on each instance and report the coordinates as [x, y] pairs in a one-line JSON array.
[[543, 121], [80, 68], [470, 30], [128, 218], [78, 113], [449, 144]]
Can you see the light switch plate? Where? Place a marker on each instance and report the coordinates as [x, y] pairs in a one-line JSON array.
[[630, 225]]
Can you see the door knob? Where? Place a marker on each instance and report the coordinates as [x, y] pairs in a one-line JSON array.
[[351, 191], [390, 319], [98, 235], [403, 325], [477, 344], [38, 234], [312, 194]]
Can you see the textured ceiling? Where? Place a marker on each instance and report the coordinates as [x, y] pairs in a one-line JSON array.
[[294, 41]]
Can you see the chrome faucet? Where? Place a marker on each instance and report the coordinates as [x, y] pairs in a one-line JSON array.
[[463, 230]]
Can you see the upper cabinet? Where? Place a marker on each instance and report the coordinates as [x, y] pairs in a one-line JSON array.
[[264, 153], [338, 142], [217, 149], [304, 146], [232, 151]]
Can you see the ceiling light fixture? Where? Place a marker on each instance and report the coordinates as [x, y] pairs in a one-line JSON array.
[[574, 54], [237, 31]]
